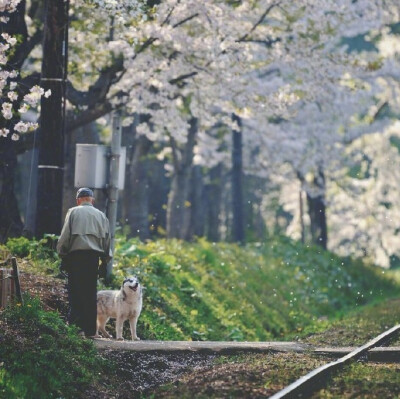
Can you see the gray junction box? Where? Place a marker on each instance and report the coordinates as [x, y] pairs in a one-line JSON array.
[[92, 166]]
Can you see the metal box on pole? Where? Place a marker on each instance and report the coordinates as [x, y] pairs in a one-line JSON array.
[[92, 166]]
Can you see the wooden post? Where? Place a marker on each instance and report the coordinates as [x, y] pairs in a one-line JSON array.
[[15, 276], [10, 287], [3, 287]]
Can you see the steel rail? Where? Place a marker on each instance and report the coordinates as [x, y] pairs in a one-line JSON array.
[[317, 378]]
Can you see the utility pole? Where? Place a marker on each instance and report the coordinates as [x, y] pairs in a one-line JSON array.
[[51, 133], [237, 183], [113, 182]]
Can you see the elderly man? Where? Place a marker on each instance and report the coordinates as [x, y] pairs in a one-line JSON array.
[[85, 238]]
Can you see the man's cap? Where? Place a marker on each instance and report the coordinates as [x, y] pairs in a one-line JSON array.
[[84, 192]]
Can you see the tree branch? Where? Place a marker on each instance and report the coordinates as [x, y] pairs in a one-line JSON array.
[[22, 52], [168, 16], [185, 20], [267, 43], [27, 82], [75, 120], [259, 22], [95, 97], [181, 78], [99, 90]]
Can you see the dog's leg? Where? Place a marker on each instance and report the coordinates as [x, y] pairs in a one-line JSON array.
[[133, 322], [101, 325], [119, 324], [97, 326]]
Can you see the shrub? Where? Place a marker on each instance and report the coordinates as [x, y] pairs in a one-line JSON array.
[[20, 246], [42, 253], [47, 358], [43, 249]]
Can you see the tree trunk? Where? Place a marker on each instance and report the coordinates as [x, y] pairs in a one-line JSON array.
[[51, 135], [178, 212], [197, 204], [237, 184], [214, 202], [159, 187], [31, 192], [255, 225], [301, 210], [317, 212], [136, 193], [10, 219]]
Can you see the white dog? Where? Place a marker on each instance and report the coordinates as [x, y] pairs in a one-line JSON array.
[[125, 304]]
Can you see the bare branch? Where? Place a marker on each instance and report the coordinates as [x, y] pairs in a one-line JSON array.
[[166, 20], [267, 42], [259, 22], [185, 20], [182, 78]]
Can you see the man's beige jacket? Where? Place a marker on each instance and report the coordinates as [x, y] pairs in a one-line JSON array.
[[85, 228]]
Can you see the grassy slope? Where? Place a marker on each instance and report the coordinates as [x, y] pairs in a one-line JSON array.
[[201, 291], [205, 291], [41, 357]]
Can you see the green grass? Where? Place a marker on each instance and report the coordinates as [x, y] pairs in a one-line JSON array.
[[197, 291], [208, 291], [41, 252], [42, 357], [359, 380], [358, 326], [223, 291]]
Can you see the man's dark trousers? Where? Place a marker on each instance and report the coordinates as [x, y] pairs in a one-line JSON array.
[[82, 289]]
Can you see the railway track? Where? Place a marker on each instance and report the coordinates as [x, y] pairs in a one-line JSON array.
[[305, 386]]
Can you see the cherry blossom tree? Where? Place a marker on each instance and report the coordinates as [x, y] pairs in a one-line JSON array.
[[18, 96], [355, 101], [265, 61], [15, 100]]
